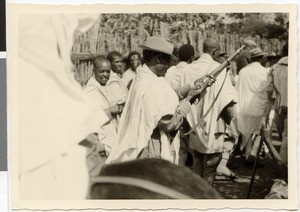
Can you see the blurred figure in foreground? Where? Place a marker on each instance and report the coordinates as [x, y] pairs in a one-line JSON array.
[[55, 114]]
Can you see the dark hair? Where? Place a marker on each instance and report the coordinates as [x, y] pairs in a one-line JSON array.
[[257, 59], [148, 55], [185, 52], [134, 53], [110, 55], [97, 59]]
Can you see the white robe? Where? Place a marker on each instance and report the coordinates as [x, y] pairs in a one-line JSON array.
[[208, 138], [150, 98], [54, 114], [174, 74], [252, 99], [107, 133]]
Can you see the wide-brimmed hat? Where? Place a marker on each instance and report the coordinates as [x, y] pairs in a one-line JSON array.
[[159, 44], [250, 43], [257, 52]]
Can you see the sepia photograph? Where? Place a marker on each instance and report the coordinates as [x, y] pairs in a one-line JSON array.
[[124, 102]]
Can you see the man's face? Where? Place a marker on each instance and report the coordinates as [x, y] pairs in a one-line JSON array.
[[102, 72], [117, 65], [134, 61]]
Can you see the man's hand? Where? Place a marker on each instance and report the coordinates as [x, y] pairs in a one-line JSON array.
[[116, 109], [195, 93]]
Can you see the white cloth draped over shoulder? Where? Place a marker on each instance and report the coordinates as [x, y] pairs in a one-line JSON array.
[[107, 133], [174, 74], [252, 98], [128, 75], [280, 75], [55, 114], [207, 137], [116, 89], [150, 98]]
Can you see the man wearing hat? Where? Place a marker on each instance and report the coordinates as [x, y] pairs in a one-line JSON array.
[[244, 58], [252, 102], [152, 113]]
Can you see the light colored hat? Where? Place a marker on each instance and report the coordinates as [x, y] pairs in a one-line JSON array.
[[159, 44], [250, 43], [257, 52]]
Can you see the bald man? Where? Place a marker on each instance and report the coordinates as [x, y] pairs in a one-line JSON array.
[[102, 141], [207, 139]]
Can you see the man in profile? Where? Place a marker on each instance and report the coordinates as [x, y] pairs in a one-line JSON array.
[[135, 61], [152, 114]]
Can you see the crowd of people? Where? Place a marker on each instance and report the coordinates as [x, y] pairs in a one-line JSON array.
[[149, 106], [159, 117]]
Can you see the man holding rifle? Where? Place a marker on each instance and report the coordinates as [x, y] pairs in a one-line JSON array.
[[212, 111]]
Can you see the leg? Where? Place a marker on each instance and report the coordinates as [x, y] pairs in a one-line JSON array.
[[183, 151], [211, 162], [198, 163], [227, 150]]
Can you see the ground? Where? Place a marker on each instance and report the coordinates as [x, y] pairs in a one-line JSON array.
[[264, 177]]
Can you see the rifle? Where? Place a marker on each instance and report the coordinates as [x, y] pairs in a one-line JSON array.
[[213, 75]]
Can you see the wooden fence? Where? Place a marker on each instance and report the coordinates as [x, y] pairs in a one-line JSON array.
[[101, 41]]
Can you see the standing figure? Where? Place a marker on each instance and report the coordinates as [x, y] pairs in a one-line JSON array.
[[135, 61], [174, 74], [252, 102], [55, 114], [207, 137], [152, 114], [102, 141]]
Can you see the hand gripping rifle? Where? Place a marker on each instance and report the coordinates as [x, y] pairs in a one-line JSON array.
[[213, 75], [204, 84]]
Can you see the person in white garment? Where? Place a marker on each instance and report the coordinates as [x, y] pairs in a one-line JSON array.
[[102, 141], [134, 61], [174, 74], [115, 87], [152, 114], [55, 114], [252, 103], [186, 55], [208, 122]]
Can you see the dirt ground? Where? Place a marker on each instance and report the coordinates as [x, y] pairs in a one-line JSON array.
[[264, 177]]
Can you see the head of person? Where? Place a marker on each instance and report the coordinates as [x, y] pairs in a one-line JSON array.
[[116, 61], [186, 53], [101, 69], [211, 47], [257, 55], [249, 44], [134, 60], [157, 54]]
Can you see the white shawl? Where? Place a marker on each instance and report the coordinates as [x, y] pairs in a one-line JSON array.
[[252, 96], [150, 98]]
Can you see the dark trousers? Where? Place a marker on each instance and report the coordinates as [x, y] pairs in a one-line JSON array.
[[205, 165]]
